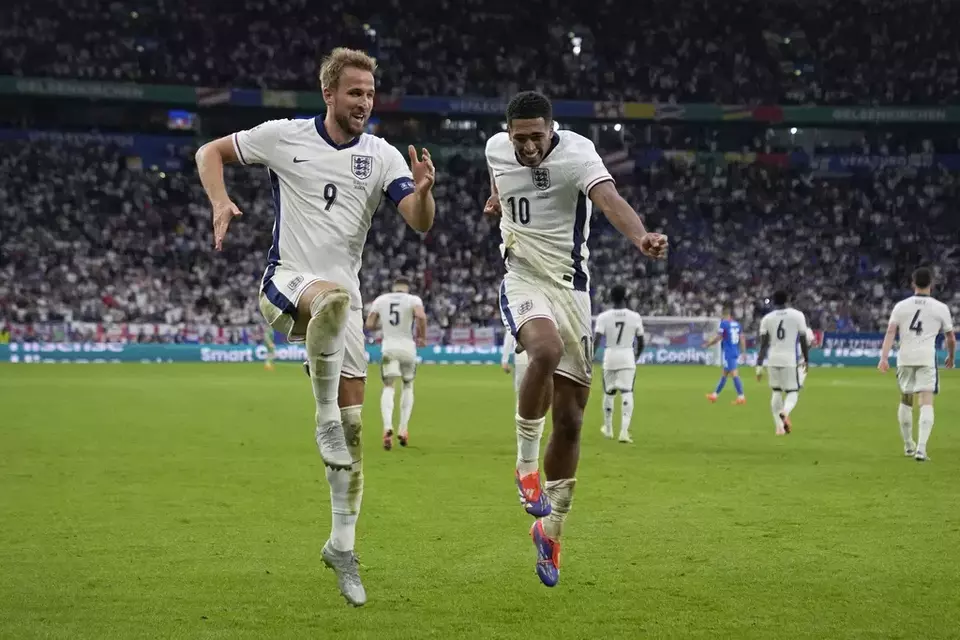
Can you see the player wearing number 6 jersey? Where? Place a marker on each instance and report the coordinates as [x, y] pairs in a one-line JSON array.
[[780, 332], [622, 332], [328, 178], [400, 314], [544, 185], [920, 319]]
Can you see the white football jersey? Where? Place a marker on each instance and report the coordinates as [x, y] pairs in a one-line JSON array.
[[811, 338], [784, 326], [620, 328], [920, 320], [546, 211], [324, 194], [396, 311]]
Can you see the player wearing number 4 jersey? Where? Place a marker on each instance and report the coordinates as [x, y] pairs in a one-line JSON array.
[[544, 184], [920, 319], [780, 332], [328, 178], [622, 333], [400, 314]]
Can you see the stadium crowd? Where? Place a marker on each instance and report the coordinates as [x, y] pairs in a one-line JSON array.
[[83, 237], [743, 51]]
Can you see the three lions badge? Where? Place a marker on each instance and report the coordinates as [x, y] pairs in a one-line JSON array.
[[362, 167]]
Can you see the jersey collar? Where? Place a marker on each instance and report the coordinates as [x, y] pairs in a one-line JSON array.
[[554, 141], [322, 130]]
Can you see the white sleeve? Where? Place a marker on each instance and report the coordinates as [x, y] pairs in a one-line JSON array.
[[802, 319], [640, 331], [509, 346], [376, 307], [598, 325], [893, 315], [397, 179], [258, 145], [764, 326], [589, 169], [947, 321], [416, 301]]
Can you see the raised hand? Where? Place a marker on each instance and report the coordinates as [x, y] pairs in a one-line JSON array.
[[424, 173], [654, 245]]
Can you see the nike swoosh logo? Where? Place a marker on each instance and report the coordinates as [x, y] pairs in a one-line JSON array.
[[297, 160], [327, 355]]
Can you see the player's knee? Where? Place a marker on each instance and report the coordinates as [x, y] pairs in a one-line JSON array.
[[547, 352], [567, 419], [323, 293], [408, 385], [612, 392], [353, 430]]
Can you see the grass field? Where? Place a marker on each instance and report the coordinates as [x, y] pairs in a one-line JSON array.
[[188, 501]]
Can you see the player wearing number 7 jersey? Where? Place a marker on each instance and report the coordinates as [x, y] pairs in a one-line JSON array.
[[544, 184], [920, 319], [328, 178], [780, 332]]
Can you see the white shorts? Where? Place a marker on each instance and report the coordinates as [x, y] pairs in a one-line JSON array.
[[786, 379], [618, 380], [918, 379], [399, 363], [522, 300], [279, 296]]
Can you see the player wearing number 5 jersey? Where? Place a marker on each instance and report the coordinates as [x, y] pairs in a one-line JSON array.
[[401, 316], [622, 332], [328, 178], [920, 320], [780, 332], [544, 185]]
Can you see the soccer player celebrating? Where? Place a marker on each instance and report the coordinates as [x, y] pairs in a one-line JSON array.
[[327, 178], [544, 183], [780, 330], [919, 319], [622, 330], [400, 313], [732, 344]]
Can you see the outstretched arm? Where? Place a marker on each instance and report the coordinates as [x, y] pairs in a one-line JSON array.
[[622, 216]]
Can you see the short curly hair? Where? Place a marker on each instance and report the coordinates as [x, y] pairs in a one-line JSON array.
[[529, 105]]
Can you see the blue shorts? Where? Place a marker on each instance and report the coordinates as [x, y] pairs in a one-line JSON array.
[[730, 361]]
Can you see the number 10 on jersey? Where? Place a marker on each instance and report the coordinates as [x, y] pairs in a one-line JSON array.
[[519, 210]]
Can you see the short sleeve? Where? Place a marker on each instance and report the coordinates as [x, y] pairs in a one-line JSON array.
[[802, 319], [893, 315], [417, 301], [589, 170], [764, 326], [598, 325], [722, 328], [258, 145], [947, 321], [376, 306], [640, 330], [397, 179]]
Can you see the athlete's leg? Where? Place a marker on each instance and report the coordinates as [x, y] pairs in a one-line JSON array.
[[386, 410], [271, 347], [738, 385], [925, 399], [905, 418]]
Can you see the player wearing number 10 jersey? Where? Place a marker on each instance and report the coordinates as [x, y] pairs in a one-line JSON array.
[[544, 184], [920, 319], [327, 179]]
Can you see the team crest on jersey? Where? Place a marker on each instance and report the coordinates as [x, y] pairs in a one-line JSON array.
[[362, 166], [525, 307], [541, 178]]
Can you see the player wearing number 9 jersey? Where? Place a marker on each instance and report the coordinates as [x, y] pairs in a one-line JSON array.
[[780, 332], [544, 184], [920, 320], [327, 180]]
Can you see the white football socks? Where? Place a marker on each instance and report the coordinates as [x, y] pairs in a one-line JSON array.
[[386, 408], [608, 401], [325, 350], [905, 416], [626, 412], [926, 427], [791, 402], [406, 406], [560, 493], [346, 487], [529, 433], [776, 406]]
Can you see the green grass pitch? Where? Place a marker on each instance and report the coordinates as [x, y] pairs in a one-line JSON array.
[[188, 501]]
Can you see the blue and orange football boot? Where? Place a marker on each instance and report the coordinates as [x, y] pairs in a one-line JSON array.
[[548, 555], [532, 496]]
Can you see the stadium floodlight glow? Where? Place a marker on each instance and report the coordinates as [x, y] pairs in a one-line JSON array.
[[556, 126], [793, 131], [617, 127]]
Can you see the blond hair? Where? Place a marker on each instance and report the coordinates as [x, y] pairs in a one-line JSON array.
[[339, 59]]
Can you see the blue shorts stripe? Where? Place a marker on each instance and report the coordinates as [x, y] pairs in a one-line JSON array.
[[579, 239], [505, 309], [279, 300]]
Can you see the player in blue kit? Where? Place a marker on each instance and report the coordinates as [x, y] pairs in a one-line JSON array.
[[732, 344]]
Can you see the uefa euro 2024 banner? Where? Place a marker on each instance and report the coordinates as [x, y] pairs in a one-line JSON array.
[[838, 350]]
